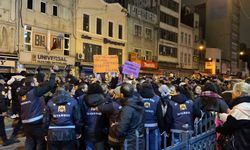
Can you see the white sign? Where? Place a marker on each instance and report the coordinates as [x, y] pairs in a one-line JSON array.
[[7, 63]]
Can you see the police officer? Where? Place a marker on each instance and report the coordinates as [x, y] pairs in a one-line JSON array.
[[95, 123], [153, 121], [62, 121], [179, 113], [32, 108]]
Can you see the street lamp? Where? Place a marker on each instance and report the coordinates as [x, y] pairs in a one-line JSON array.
[[201, 47], [241, 53]]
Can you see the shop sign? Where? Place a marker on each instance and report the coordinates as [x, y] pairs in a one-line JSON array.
[[131, 68], [105, 63], [149, 64], [7, 63], [48, 59]]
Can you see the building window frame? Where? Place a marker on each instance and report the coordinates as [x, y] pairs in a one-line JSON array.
[[148, 35], [120, 31], [66, 47], [86, 22], [110, 28], [98, 26], [138, 51], [30, 4], [93, 49], [138, 32], [43, 7], [149, 55], [28, 31], [53, 10]]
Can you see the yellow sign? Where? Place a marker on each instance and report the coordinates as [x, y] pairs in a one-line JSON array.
[[147, 105], [105, 63], [61, 108], [183, 107]]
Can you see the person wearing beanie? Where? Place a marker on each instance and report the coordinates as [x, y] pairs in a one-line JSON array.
[[153, 121]]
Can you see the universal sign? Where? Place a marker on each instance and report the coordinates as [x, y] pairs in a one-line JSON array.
[[41, 58]]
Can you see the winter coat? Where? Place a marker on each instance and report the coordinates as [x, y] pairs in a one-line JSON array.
[[62, 117], [96, 122], [238, 124], [131, 122], [209, 101]]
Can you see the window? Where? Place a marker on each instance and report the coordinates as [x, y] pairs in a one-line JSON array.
[[98, 26], [55, 13], [85, 22], [168, 19], [182, 34], [181, 58], [40, 40], [110, 29], [30, 4], [171, 4], [149, 55], [167, 51], [189, 39], [27, 38], [189, 59], [43, 7], [118, 52], [89, 50], [138, 30], [185, 38], [185, 59], [196, 24], [196, 38], [168, 35], [66, 44], [148, 34], [120, 32], [139, 52]]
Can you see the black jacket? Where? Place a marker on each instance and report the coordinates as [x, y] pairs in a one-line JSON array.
[[238, 124], [3, 100], [95, 121], [131, 120]]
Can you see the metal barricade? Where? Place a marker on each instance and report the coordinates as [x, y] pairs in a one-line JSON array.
[[203, 137]]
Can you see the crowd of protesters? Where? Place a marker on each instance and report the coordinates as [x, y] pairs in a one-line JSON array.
[[69, 113]]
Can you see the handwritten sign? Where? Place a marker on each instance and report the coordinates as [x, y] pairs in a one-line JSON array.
[[105, 63], [131, 68]]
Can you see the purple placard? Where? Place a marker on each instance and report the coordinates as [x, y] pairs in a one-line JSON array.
[[131, 68]]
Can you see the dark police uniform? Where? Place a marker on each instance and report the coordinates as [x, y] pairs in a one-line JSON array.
[[153, 136], [63, 118], [32, 108]]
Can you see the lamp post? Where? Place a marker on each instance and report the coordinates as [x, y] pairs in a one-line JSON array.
[[201, 47]]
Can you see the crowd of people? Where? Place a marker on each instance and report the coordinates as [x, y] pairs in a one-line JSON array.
[[69, 113]]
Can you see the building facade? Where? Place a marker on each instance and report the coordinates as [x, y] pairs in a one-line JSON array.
[[169, 23], [215, 15], [213, 61], [186, 49], [142, 38], [46, 33], [8, 36], [100, 29]]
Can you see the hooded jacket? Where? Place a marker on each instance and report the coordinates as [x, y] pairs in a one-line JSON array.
[[62, 117], [209, 101], [95, 123], [131, 122], [238, 124], [179, 113]]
